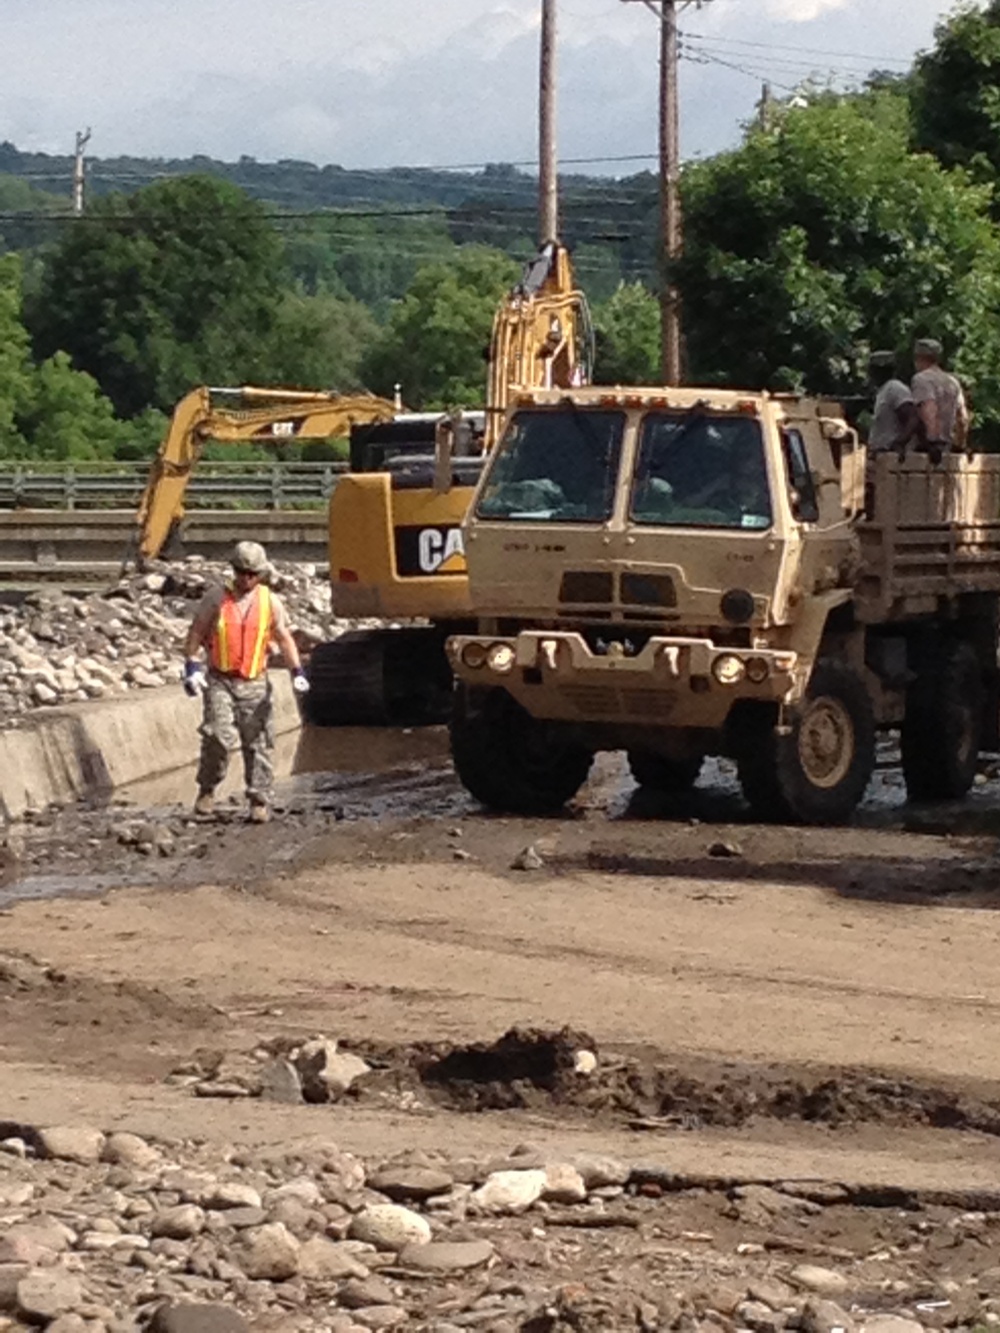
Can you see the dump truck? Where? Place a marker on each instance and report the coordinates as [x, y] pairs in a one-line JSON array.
[[685, 572]]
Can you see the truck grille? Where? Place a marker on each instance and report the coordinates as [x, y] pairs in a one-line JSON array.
[[583, 585], [612, 701]]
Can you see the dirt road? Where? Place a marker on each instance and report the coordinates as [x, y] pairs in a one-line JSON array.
[[763, 1001]]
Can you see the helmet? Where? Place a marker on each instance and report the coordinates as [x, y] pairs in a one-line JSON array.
[[249, 558]]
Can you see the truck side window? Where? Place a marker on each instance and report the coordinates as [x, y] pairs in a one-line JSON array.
[[802, 489]]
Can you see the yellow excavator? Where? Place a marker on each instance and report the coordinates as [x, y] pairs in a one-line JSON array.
[[395, 518], [238, 416]]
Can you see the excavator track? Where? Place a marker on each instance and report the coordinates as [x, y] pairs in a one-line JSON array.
[[380, 677]]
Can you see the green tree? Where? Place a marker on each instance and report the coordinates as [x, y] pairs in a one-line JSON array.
[[175, 285], [627, 327], [955, 92], [437, 340], [15, 361], [824, 237], [319, 342], [67, 416]]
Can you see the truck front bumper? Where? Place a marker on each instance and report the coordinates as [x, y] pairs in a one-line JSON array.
[[671, 681]]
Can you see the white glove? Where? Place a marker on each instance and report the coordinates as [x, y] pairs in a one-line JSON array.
[[195, 680], [300, 681]]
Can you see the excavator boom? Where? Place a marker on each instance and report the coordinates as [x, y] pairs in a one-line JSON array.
[[230, 416]]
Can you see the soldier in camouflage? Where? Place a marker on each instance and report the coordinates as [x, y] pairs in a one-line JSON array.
[[236, 626]]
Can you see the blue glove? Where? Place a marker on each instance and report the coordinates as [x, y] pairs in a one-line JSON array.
[[195, 680], [300, 681]]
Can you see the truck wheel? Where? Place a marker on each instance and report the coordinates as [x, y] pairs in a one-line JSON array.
[[817, 772], [510, 760], [659, 773], [943, 726]]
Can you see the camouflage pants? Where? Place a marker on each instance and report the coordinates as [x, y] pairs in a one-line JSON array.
[[238, 715]]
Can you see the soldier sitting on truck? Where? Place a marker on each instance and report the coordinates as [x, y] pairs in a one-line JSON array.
[[940, 401], [895, 419]]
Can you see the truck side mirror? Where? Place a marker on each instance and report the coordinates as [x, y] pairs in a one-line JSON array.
[[446, 432], [851, 457]]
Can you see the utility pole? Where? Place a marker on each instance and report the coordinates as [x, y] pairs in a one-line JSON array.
[[671, 222], [671, 217], [82, 139], [548, 169]]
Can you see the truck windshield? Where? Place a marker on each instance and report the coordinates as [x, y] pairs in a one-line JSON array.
[[559, 465], [695, 470]]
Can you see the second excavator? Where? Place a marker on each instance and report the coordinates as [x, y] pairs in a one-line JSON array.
[[395, 519]]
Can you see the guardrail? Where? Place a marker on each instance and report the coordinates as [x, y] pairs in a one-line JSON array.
[[213, 485]]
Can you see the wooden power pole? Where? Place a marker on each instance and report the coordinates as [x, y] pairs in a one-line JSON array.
[[671, 222], [671, 217], [82, 139], [548, 168]]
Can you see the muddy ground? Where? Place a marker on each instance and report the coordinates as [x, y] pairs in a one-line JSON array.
[[766, 1004]]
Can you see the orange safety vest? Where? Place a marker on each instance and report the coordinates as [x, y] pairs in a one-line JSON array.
[[239, 643]]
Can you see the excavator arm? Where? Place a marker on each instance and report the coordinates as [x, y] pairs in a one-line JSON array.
[[230, 416], [542, 336]]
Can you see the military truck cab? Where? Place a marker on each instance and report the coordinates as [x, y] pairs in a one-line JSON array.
[[684, 572]]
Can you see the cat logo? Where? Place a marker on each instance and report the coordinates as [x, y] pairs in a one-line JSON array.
[[440, 551], [423, 551]]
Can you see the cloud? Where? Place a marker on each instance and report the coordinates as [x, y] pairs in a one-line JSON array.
[[802, 11]]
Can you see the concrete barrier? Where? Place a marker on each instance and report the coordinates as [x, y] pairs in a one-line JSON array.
[[87, 750]]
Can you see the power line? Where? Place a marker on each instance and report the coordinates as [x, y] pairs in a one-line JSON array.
[[803, 50]]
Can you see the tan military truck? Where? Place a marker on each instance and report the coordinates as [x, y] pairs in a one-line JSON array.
[[687, 572]]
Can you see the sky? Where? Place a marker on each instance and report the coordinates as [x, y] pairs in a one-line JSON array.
[[380, 83]]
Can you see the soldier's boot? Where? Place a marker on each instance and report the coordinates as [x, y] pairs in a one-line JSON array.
[[205, 804], [259, 812]]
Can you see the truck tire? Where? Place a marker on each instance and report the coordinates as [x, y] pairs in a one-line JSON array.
[[658, 773], [942, 728], [817, 772], [511, 761]]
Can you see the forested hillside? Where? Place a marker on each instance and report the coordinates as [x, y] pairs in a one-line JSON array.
[[845, 223]]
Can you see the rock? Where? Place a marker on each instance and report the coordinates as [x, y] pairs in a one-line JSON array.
[[380, 1316], [326, 1073], [823, 1281], [230, 1194], [130, 1150], [447, 1256], [390, 1226], [198, 1319], [725, 849], [411, 1182], [43, 1295], [528, 858], [269, 1252], [69, 1323], [280, 1082], [890, 1323], [180, 1223], [71, 1144], [323, 1260], [355, 1295], [823, 1316], [598, 1171], [33, 1243], [759, 1318], [509, 1192], [585, 1062], [563, 1184]]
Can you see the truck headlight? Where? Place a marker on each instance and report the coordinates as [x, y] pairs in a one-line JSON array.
[[474, 655], [500, 658], [758, 670], [728, 669]]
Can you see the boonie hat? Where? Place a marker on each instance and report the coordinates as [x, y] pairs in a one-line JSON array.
[[928, 347], [249, 558], [882, 360]]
